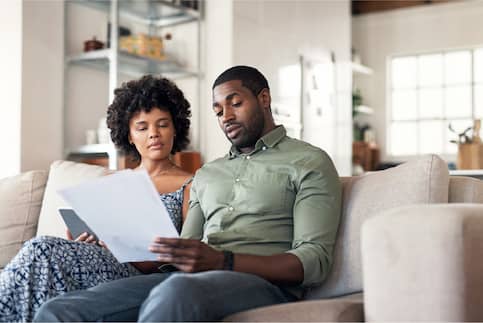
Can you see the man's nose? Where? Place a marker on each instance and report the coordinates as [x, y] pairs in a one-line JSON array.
[[228, 115]]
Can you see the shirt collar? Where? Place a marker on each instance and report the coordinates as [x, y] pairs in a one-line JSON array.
[[270, 140]]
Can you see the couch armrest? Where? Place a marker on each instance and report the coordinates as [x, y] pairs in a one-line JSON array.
[[424, 263], [324, 310]]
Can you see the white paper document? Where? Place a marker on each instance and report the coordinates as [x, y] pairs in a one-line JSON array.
[[125, 211]]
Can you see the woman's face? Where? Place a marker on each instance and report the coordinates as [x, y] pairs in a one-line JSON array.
[[152, 133]]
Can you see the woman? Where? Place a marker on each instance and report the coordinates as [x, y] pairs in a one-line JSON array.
[[149, 119]]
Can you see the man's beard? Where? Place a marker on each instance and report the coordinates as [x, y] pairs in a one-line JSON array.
[[251, 134]]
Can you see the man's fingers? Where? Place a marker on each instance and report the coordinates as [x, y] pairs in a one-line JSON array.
[[176, 261], [177, 242], [173, 251]]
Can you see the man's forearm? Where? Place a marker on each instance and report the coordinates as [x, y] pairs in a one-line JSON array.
[[283, 268]]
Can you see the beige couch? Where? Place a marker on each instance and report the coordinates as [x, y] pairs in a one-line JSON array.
[[417, 262]]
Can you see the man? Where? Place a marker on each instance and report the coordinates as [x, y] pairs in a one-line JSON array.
[[261, 225]]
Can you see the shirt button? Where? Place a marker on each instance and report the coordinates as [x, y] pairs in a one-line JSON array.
[[248, 157], [230, 208], [237, 180], [264, 148]]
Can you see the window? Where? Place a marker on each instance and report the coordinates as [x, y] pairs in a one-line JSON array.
[[429, 91]]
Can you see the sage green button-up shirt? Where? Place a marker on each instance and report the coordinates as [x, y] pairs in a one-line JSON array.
[[284, 196]]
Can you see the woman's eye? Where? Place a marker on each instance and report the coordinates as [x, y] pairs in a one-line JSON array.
[[141, 129], [236, 104], [163, 125]]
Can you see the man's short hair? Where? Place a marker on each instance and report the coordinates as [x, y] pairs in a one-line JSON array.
[[250, 77]]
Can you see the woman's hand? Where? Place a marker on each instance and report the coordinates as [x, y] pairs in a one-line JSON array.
[[84, 237], [187, 255]]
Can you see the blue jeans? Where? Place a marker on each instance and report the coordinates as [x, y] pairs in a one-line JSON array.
[[205, 296]]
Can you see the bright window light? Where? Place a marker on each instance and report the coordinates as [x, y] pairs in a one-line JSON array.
[[427, 93]]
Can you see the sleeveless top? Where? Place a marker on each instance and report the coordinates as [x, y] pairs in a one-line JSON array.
[[174, 204]]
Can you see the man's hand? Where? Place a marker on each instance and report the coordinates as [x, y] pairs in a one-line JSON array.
[[187, 255]]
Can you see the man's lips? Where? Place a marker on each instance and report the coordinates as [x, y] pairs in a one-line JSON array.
[[232, 130]]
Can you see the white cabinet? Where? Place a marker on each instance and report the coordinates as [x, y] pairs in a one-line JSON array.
[[91, 77]]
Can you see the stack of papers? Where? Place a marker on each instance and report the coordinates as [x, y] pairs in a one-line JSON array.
[[125, 211]]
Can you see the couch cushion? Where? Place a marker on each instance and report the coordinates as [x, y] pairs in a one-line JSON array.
[[424, 180], [343, 309], [20, 200], [423, 264], [62, 174], [465, 190]]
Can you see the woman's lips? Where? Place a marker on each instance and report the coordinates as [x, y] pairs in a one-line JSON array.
[[156, 146]]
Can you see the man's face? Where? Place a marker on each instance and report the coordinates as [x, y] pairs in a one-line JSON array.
[[240, 114]]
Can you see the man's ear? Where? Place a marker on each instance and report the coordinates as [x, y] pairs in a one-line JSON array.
[[264, 98]]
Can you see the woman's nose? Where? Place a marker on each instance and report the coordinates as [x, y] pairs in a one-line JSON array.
[[153, 132]]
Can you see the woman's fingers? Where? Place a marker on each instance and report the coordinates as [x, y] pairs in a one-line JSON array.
[[86, 237], [91, 239], [82, 237], [103, 244]]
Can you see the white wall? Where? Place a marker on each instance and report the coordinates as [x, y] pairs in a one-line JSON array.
[[217, 56], [42, 83], [11, 86], [273, 34], [406, 31]]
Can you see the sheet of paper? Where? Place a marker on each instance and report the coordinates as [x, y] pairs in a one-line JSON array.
[[125, 211]]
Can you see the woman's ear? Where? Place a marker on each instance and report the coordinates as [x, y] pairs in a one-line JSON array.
[[264, 98]]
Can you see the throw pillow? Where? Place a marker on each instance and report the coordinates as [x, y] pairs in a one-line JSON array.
[[20, 200], [62, 174], [421, 181]]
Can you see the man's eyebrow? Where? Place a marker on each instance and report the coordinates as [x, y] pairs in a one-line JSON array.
[[227, 98]]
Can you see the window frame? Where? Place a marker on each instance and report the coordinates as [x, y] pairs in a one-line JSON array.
[[444, 85]]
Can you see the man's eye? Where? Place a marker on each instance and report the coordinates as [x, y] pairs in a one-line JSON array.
[[218, 113], [236, 104]]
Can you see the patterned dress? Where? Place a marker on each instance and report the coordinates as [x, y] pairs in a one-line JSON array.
[[49, 266]]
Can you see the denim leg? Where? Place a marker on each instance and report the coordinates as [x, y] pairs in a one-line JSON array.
[[118, 300], [208, 296]]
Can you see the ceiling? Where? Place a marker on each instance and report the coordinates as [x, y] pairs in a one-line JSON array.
[[369, 6]]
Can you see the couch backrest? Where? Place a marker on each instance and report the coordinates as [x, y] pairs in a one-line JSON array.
[[425, 180], [465, 190], [62, 174], [20, 202]]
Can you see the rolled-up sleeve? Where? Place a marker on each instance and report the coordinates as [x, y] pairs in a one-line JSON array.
[[316, 216], [195, 220]]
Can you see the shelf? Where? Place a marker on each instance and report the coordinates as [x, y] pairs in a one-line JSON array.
[[363, 109], [154, 13], [93, 149], [477, 173], [132, 65], [361, 69]]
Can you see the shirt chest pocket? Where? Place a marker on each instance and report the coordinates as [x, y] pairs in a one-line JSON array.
[[265, 193]]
